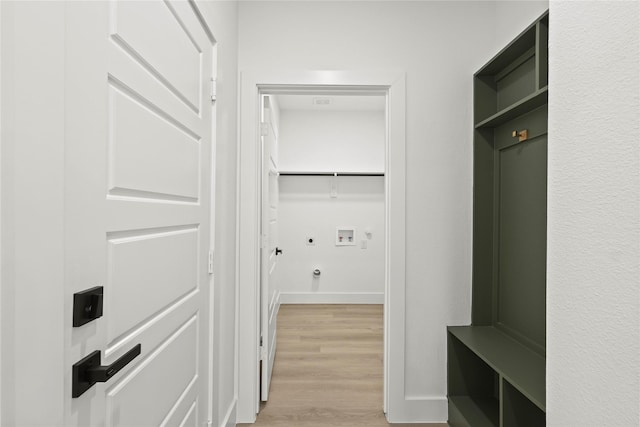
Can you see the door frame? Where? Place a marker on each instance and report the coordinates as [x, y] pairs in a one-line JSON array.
[[253, 84]]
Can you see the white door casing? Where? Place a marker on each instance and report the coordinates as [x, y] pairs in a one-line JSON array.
[[397, 406], [138, 138], [269, 296]]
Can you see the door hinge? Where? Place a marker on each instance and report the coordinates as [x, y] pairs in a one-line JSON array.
[[263, 353], [214, 90], [264, 129], [210, 262]]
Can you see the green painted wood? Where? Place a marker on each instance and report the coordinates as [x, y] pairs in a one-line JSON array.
[[482, 250], [484, 97], [518, 411], [535, 121], [475, 412], [469, 375], [519, 83], [542, 52], [522, 239], [518, 364], [518, 108], [456, 419], [528, 54]]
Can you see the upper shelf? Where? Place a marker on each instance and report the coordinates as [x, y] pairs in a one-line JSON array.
[[520, 366], [514, 81], [526, 104]]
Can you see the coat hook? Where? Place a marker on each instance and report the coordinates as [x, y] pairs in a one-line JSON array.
[[522, 135]]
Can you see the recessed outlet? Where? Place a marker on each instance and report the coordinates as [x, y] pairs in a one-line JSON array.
[[310, 241]]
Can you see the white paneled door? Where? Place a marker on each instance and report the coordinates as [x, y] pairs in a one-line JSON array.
[[269, 251], [138, 150]]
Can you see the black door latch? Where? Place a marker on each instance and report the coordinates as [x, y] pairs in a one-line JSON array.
[[87, 305]]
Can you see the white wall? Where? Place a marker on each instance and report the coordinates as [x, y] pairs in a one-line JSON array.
[[222, 16], [593, 324], [349, 274], [512, 17], [440, 45], [332, 141]]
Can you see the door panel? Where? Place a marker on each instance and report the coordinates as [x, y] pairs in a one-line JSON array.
[[137, 194], [129, 400], [269, 259], [158, 268], [172, 172], [161, 44]]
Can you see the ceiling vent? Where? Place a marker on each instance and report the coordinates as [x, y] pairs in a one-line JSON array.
[[321, 101]]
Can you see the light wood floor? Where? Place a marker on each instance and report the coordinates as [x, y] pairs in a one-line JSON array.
[[328, 368]]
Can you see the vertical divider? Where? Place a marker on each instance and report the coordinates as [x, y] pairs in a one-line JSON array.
[[542, 53], [495, 249], [501, 401], [483, 196]]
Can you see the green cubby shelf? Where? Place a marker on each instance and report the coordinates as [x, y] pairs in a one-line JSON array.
[[496, 366], [528, 103], [512, 360]]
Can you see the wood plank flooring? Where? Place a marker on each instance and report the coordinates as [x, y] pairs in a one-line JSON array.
[[328, 369]]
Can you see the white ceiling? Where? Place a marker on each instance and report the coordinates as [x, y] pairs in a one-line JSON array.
[[336, 102]]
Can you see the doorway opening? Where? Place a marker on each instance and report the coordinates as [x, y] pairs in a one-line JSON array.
[[390, 86], [322, 249]]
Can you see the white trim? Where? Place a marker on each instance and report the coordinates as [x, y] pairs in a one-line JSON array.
[[213, 355], [422, 409], [395, 253], [391, 83], [229, 419], [332, 298], [1, 207]]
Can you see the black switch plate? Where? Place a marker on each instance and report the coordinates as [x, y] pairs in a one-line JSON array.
[[87, 305]]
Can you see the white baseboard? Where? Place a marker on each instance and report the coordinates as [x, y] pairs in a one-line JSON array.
[[229, 419], [418, 409], [332, 297]]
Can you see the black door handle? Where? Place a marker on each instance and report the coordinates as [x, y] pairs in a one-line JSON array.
[[278, 251], [88, 371]]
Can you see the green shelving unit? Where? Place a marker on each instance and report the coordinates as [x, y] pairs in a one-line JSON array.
[[496, 365]]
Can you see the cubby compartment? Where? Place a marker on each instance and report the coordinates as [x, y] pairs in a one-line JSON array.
[[518, 411], [515, 80], [474, 388]]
